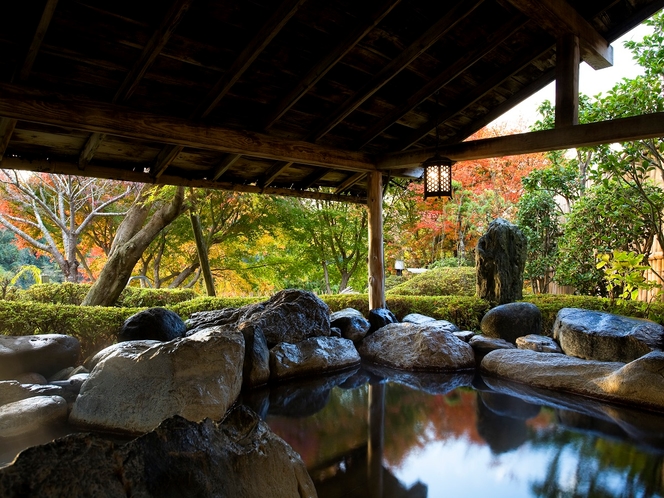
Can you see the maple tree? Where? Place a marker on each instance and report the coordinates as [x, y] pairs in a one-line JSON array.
[[54, 214]]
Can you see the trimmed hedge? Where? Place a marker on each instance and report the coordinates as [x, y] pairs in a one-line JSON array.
[[94, 326], [131, 297], [446, 281]]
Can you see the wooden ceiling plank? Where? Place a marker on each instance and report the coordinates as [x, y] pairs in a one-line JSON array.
[[559, 18], [567, 81], [459, 12], [224, 165], [273, 173], [91, 116], [329, 61], [152, 49], [451, 72], [37, 39], [471, 97], [586, 135], [6, 129], [349, 182], [313, 178], [133, 78], [251, 51], [94, 171], [164, 159]]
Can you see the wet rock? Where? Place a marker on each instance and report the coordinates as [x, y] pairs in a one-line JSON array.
[[417, 347], [639, 382], [539, 343], [12, 390], [464, 335], [129, 349], [196, 377], [595, 335], [484, 345], [256, 367], [228, 316], [351, 323], [315, 355], [30, 378], [240, 457], [44, 354], [500, 261], [30, 414], [511, 321], [156, 324], [417, 318], [380, 317]]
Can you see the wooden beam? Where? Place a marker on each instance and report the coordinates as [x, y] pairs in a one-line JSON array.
[[251, 51], [329, 61], [223, 166], [586, 135], [129, 175], [6, 129], [466, 60], [560, 18], [89, 149], [57, 110], [37, 39], [567, 81], [164, 159], [376, 257], [477, 93], [273, 173], [349, 182], [455, 15]]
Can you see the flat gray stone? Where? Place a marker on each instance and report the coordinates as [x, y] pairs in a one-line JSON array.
[[595, 335], [417, 347], [540, 343], [483, 344], [417, 319], [316, 355], [31, 414]]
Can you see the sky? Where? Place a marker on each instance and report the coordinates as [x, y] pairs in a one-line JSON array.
[[591, 82]]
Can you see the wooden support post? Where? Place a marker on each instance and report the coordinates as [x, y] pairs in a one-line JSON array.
[[567, 81], [376, 443], [376, 263]]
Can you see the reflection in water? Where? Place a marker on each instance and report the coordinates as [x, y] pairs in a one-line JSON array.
[[412, 437]]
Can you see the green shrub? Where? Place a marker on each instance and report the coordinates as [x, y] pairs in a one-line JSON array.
[[445, 281], [131, 297], [95, 327]]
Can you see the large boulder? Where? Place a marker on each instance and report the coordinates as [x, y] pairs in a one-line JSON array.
[[156, 324], [511, 321], [639, 382], [500, 261], [31, 414], [316, 355], [239, 458], [129, 349], [351, 323], [289, 316], [595, 335], [379, 317], [44, 354], [417, 347], [256, 367], [196, 377]]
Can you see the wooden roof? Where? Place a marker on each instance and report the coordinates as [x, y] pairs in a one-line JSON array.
[[293, 97]]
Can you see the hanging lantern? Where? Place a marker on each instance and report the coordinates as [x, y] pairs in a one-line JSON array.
[[437, 176]]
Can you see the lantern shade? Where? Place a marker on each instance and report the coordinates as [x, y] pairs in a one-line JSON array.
[[437, 177]]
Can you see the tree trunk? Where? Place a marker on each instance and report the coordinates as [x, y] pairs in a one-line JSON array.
[[202, 251], [133, 237]]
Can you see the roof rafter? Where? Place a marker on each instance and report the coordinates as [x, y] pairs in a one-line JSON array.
[[556, 16], [586, 135], [45, 108], [454, 16]]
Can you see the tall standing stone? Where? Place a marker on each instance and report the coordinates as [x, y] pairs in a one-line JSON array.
[[500, 261]]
